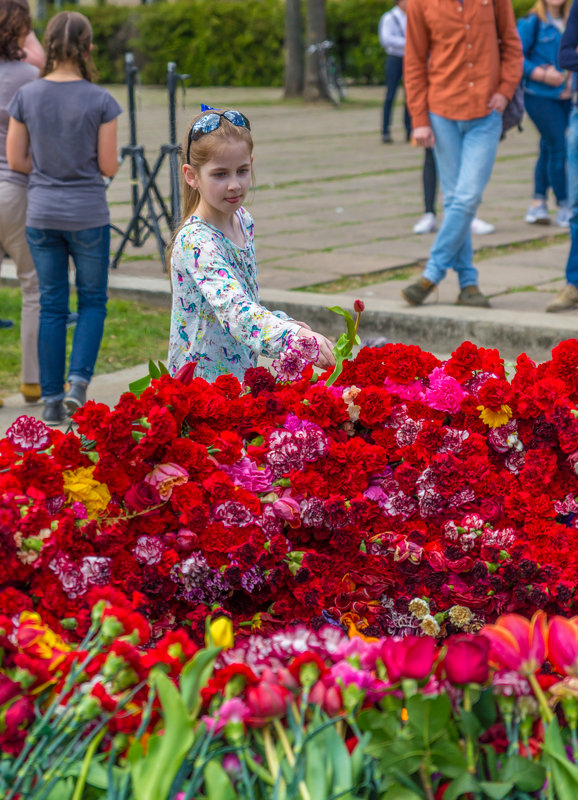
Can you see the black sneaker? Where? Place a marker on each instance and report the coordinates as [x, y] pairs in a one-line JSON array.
[[416, 293], [387, 138], [75, 397], [54, 413]]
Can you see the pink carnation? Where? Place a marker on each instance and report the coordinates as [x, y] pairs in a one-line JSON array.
[[444, 392]]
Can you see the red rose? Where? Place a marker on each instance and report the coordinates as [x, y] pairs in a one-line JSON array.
[[142, 495], [466, 659]]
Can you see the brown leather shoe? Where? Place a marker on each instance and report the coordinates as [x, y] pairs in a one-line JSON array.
[[31, 392], [566, 299], [416, 293], [471, 296]]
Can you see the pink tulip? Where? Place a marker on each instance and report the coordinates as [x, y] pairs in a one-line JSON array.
[[165, 477], [563, 645], [326, 694], [412, 657], [518, 644], [288, 509]]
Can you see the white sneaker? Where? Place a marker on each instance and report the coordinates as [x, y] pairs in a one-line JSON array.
[[481, 228], [563, 217], [538, 214], [427, 224]]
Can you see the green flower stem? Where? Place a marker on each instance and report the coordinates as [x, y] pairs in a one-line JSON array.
[[270, 754], [81, 782], [303, 790], [545, 710], [260, 771], [470, 753]]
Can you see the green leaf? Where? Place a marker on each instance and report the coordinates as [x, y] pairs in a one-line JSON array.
[[217, 783], [428, 716], [485, 709], [449, 759], [563, 772], [316, 768], [137, 387], [470, 725], [462, 785], [153, 774], [194, 677], [397, 792], [154, 371], [523, 773], [496, 790]]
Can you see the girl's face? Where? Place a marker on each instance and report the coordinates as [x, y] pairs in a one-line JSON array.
[[224, 181]]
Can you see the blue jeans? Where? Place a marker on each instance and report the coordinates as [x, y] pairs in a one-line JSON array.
[[465, 151], [572, 141], [90, 250], [393, 77], [551, 118]]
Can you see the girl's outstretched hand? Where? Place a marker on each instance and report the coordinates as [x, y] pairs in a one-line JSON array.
[[326, 358]]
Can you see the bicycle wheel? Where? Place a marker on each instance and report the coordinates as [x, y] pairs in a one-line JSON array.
[[327, 74]]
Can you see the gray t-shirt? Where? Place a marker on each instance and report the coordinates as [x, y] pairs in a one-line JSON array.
[[66, 190], [13, 75]]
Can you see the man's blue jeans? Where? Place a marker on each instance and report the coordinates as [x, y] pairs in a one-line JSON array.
[[90, 251], [572, 141], [465, 151], [551, 118], [393, 77]]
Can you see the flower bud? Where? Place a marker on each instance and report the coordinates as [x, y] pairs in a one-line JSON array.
[[358, 306], [220, 633]]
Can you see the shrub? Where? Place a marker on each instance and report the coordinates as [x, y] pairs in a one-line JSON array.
[[231, 42]]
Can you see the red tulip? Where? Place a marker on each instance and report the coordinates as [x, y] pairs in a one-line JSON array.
[[563, 645], [466, 659], [358, 306], [518, 644], [186, 373], [412, 657], [267, 700], [327, 695]]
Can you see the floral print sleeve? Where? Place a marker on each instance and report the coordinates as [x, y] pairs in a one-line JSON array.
[[216, 318]]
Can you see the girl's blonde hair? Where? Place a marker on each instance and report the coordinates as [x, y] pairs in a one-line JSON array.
[[541, 11], [199, 153], [68, 38]]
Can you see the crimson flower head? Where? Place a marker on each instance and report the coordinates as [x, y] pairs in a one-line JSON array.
[[466, 659], [266, 701], [563, 645], [358, 306], [517, 643], [186, 373], [412, 657]]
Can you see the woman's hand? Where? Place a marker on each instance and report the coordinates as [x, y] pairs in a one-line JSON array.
[[326, 358], [424, 136], [549, 75]]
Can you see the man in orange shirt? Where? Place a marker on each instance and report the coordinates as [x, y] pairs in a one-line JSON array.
[[463, 62]]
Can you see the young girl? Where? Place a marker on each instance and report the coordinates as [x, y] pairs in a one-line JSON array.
[[217, 320], [63, 132]]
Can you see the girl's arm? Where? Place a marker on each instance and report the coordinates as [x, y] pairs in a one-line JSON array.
[[18, 147], [107, 149], [568, 57]]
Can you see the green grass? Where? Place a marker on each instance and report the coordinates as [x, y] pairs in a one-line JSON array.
[[133, 333]]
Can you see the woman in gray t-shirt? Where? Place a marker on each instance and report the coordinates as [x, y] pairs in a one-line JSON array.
[[69, 125], [15, 26]]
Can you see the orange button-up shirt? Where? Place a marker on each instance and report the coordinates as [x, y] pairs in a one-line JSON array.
[[454, 60]]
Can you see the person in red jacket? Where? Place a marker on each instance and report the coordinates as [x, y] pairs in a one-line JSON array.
[[463, 62]]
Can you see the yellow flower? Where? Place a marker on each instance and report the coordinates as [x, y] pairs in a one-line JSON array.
[[220, 633], [81, 487], [495, 419], [40, 641]]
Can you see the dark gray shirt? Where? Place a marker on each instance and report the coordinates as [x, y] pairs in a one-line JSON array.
[[13, 75], [66, 190]]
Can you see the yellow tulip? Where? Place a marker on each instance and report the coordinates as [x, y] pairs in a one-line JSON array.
[[220, 633]]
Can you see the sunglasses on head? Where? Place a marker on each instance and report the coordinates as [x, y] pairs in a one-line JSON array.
[[210, 122]]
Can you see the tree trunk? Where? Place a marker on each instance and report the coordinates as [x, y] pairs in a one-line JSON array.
[[293, 49], [315, 32]]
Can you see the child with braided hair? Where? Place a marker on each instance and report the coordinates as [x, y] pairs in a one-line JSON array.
[[62, 132]]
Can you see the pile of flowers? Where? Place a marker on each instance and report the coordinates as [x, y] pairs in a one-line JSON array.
[[409, 496], [298, 714]]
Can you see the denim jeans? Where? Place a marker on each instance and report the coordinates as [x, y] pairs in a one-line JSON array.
[[572, 141], [465, 151], [393, 77], [551, 118], [90, 250]]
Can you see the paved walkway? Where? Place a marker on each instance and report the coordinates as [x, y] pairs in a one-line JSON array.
[[334, 210]]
